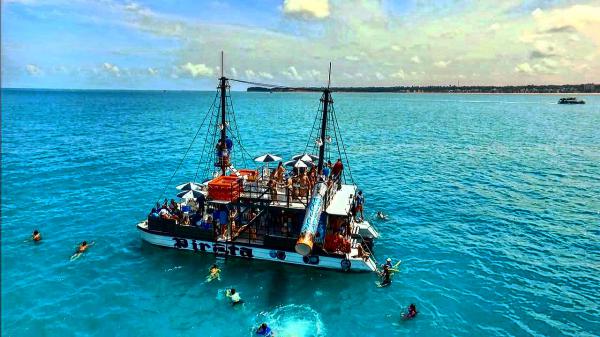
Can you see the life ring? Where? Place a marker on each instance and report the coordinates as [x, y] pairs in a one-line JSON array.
[[312, 259], [281, 255], [346, 264]]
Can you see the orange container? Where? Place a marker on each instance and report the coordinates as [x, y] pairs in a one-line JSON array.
[[224, 188]]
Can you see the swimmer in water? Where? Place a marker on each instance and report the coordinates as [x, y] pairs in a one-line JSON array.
[[412, 312], [215, 273], [36, 236], [264, 330], [82, 247], [381, 216], [386, 279], [234, 296], [80, 250]]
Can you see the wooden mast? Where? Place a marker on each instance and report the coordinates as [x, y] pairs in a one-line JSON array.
[[326, 99], [223, 87]]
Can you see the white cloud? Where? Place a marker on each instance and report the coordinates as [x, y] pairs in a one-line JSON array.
[[196, 70], [292, 73], [415, 59], [314, 74], [442, 64], [352, 58], [396, 48], [112, 69], [264, 74], [250, 74], [33, 70], [234, 72], [524, 68], [306, 9], [379, 76], [399, 74], [152, 71]]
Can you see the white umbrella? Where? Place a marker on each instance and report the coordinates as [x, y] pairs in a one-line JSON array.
[[299, 163], [267, 158], [306, 157], [189, 187], [191, 194]]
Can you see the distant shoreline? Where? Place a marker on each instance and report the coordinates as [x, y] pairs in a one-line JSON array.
[[316, 90], [564, 89]]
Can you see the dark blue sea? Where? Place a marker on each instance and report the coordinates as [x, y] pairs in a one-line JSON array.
[[494, 206]]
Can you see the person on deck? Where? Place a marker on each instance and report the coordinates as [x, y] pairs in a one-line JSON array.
[[173, 206], [164, 213], [280, 172], [273, 189], [327, 169], [304, 185], [232, 217], [196, 219], [201, 200], [360, 200], [337, 169]]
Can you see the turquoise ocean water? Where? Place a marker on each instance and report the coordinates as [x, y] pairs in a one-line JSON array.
[[494, 205]]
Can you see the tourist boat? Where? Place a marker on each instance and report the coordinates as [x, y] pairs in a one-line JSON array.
[[254, 213], [570, 100]]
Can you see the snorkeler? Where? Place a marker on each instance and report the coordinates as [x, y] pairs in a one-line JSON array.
[[234, 296], [215, 273], [36, 236], [264, 330], [392, 267], [412, 312]]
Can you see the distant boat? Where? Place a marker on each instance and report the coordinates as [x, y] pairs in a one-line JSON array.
[[570, 100]]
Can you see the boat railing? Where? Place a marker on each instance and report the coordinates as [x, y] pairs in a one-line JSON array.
[[280, 195]]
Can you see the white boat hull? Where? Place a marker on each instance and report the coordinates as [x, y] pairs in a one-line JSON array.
[[229, 249]]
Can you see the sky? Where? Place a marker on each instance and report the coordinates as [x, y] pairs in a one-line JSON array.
[[176, 45]]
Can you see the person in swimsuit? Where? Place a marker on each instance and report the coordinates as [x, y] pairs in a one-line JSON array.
[[360, 200], [234, 296], [264, 330], [36, 236], [82, 247], [215, 273], [412, 312]]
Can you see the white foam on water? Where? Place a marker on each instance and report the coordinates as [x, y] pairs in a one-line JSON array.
[[293, 320]]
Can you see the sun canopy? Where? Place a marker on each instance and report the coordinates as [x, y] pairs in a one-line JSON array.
[[189, 186], [191, 194], [306, 157], [267, 158], [298, 163]]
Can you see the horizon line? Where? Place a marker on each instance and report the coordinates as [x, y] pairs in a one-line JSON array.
[[304, 87]]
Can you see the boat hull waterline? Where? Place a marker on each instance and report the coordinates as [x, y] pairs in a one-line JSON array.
[[230, 249]]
